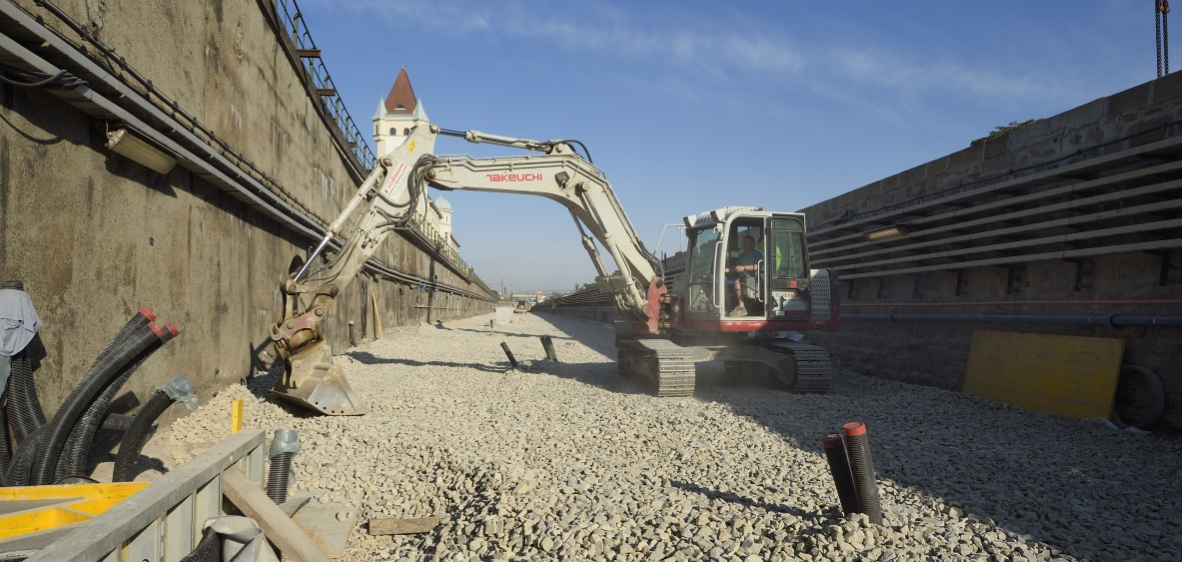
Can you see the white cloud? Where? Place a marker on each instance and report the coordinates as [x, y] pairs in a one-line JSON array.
[[718, 49]]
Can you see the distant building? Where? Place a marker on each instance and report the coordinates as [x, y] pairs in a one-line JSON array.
[[393, 121], [396, 115]]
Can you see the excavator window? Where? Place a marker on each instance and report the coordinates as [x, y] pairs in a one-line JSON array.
[[701, 269], [788, 249]]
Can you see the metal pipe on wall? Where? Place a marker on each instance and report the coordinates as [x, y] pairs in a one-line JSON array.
[[1111, 320]]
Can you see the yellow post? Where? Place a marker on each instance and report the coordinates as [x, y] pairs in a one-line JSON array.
[[376, 317], [236, 416]]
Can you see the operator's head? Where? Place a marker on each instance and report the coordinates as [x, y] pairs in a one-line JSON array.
[[748, 243]]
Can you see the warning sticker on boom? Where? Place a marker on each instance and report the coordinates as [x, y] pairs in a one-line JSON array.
[[394, 177]]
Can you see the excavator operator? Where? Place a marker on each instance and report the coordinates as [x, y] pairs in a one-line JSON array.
[[743, 272]]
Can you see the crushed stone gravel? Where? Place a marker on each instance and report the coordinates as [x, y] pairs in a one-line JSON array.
[[569, 461]]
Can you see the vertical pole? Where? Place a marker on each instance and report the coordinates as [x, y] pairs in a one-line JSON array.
[[236, 416], [377, 319]]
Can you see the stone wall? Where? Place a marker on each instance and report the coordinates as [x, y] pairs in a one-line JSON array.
[[96, 236]]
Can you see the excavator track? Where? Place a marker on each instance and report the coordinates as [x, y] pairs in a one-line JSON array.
[[670, 366], [814, 367]]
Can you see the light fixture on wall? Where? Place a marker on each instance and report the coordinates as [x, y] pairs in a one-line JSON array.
[[886, 234], [122, 142]]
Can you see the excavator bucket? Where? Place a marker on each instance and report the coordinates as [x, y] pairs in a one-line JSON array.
[[313, 381]]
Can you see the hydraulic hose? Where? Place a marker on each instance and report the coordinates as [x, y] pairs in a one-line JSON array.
[[72, 461], [136, 436], [22, 459], [104, 368]]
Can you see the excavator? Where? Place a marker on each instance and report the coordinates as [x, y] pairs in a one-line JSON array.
[[706, 312]]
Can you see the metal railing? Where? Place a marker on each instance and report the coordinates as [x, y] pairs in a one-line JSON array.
[[293, 20], [442, 245], [164, 522]]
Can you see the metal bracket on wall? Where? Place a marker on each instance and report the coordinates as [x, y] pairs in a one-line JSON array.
[[959, 282], [1085, 269], [1015, 275]]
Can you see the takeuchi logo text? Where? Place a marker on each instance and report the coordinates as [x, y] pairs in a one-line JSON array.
[[514, 177]]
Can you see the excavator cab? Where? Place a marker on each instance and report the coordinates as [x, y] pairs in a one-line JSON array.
[[776, 292]]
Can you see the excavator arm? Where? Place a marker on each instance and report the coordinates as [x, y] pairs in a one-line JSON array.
[[390, 196], [560, 174], [389, 200]]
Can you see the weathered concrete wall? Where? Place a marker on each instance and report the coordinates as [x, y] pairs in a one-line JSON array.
[[936, 353], [96, 236]]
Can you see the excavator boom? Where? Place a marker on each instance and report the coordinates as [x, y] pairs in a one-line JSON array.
[[389, 197]]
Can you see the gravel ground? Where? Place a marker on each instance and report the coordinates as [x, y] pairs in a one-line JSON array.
[[568, 461]]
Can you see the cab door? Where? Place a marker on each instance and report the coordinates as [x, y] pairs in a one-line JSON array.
[[703, 296], [787, 268]]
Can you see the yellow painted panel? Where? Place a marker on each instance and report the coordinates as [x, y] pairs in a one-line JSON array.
[[1068, 375], [20, 524], [85, 491]]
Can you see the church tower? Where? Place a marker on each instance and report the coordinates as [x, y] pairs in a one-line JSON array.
[[400, 112]]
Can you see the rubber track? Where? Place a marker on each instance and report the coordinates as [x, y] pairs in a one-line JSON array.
[[674, 371], [814, 367]]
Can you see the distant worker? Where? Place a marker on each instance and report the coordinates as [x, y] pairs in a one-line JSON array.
[[744, 271]]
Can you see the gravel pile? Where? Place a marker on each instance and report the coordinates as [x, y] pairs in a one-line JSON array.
[[568, 461]]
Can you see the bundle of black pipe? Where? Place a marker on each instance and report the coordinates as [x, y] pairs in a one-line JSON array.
[[24, 407], [862, 468], [140, 429], [72, 461], [284, 446], [839, 466], [5, 448], [119, 353]]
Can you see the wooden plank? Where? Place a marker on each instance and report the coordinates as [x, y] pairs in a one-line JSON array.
[[402, 526], [280, 530], [1068, 375]]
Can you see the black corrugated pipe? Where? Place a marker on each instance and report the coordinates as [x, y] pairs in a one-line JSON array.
[[105, 367], [72, 461], [862, 467], [24, 408], [1111, 320], [839, 466], [284, 446], [5, 446], [136, 436], [22, 459]]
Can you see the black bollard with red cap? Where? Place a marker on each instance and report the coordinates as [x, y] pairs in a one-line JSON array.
[[839, 465], [862, 467]]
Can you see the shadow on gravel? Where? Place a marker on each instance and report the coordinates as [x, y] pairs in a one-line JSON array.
[[368, 358], [513, 334], [746, 502], [1073, 485]]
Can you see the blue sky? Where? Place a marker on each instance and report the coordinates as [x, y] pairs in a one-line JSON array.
[[689, 106]]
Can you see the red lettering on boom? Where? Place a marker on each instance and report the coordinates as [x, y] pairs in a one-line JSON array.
[[497, 178]]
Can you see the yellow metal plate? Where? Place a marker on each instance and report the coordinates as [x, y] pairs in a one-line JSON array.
[[79, 503], [1068, 375]]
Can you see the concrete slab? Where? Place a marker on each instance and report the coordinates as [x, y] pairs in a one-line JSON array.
[[327, 524]]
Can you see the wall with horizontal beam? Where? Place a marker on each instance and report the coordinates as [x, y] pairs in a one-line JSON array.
[[96, 236], [1076, 214]]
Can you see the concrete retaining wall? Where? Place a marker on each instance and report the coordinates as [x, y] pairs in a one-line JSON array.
[[936, 354], [96, 236]]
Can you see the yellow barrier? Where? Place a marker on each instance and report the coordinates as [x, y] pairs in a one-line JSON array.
[[79, 502], [1072, 376]]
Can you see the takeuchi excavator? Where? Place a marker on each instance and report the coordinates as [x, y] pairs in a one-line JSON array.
[[706, 312]]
